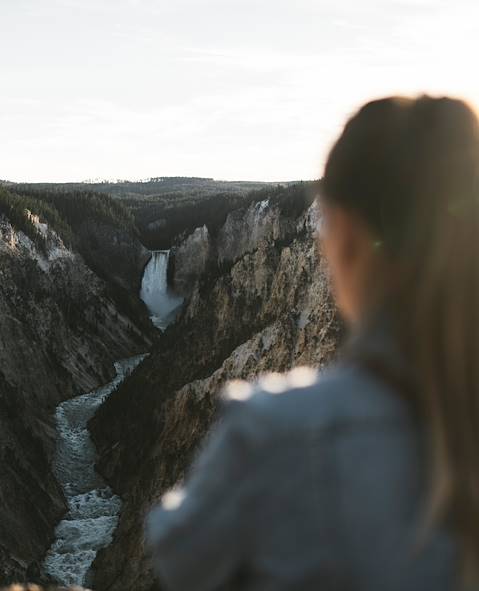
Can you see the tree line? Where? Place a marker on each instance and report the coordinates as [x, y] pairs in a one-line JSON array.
[[63, 211]]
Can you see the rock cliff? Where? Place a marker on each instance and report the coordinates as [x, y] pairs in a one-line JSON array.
[[113, 253], [189, 260], [261, 303], [59, 335]]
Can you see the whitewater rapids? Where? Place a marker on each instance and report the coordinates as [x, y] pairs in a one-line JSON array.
[[93, 509]]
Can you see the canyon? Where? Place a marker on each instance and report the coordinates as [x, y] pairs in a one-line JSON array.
[[60, 333], [257, 300], [244, 295]]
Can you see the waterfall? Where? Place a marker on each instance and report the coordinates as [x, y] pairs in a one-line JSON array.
[[161, 302]]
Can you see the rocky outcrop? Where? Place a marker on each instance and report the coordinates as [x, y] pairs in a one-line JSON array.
[[245, 229], [114, 253], [264, 306], [59, 336], [117, 256], [189, 260], [243, 232]]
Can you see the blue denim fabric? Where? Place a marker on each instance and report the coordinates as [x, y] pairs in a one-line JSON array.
[[317, 487]]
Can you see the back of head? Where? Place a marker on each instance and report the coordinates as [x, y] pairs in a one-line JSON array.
[[410, 169]]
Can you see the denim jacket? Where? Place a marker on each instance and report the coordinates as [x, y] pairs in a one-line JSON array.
[[309, 482]]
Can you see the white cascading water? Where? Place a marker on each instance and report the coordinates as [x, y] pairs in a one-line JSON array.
[[159, 299], [93, 509]]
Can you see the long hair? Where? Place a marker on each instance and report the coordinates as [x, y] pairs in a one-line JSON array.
[[410, 169]]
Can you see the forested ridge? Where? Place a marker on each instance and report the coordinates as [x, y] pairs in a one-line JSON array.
[[63, 211], [15, 208], [156, 210], [180, 186], [162, 219]]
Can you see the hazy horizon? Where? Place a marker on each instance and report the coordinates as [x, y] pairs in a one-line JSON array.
[[151, 178], [237, 90]]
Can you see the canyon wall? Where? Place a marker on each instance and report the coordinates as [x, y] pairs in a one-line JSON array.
[[259, 302], [59, 335]]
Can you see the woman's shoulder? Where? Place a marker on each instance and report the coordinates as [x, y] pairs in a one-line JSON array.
[[304, 398]]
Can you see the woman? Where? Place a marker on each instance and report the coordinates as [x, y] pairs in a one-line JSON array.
[[366, 477]]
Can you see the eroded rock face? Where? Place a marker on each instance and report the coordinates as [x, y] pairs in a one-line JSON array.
[[245, 229], [269, 309], [56, 318], [59, 336], [189, 260], [114, 253]]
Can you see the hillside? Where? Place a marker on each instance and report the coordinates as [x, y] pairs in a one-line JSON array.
[[97, 226], [181, 187], [60, 333]]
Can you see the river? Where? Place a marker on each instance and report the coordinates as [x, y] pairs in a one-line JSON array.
[[93, 509]]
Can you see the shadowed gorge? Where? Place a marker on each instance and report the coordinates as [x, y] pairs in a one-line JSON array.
[[249, 295], [257, 300], [61, 329]]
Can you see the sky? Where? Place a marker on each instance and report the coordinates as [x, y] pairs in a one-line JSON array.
[[230, 89]]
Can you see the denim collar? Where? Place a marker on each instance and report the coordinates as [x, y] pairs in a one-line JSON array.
[[374, 345]]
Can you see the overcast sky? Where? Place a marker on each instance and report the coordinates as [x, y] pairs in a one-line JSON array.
[[233, 89]]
